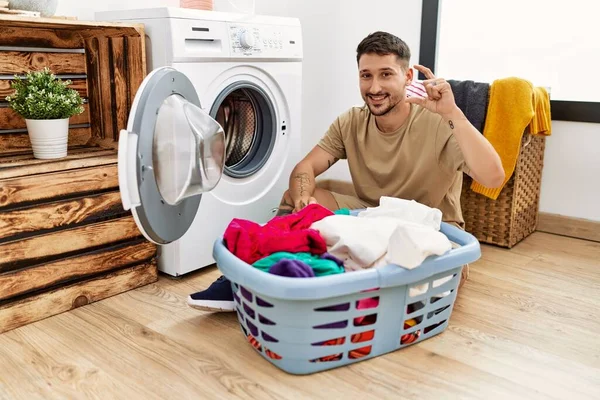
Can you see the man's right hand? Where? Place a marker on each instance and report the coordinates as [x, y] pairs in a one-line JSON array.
[[303, 202]]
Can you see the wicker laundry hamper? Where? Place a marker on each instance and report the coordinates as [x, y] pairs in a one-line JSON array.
[[514, 215]]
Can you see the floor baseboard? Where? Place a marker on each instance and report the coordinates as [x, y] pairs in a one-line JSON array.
[[569, 226]]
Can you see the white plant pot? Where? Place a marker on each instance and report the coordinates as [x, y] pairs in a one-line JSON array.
[[46, 8], [49, 137]]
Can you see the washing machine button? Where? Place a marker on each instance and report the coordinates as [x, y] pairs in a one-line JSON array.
[[247, 39]]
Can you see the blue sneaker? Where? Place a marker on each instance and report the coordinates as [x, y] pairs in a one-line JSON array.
[[218, 297]]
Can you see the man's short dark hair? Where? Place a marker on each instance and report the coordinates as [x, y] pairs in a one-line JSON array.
[[384, 43]]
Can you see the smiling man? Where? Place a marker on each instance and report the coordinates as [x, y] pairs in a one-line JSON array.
[[410, 148]]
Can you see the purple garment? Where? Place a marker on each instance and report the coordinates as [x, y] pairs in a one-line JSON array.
[[292, 269], [327, 256], [298, 269]]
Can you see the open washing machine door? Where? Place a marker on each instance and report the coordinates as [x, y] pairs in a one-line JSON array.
[[171, 152]]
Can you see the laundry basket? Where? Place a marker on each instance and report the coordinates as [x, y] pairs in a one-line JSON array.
[[306, 325]]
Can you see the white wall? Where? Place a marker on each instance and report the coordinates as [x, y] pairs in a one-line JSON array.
[[571, 175], [331, 31], [550, 45]]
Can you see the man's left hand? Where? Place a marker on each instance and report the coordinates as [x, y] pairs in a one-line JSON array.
[[440, 98]]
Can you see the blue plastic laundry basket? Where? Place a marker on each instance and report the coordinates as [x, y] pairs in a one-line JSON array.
[[306, 325]]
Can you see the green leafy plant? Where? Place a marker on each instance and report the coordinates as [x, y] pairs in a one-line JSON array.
[[40, 95]]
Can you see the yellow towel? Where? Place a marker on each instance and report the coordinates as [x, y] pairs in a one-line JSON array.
[[541, 124], [512, 107]]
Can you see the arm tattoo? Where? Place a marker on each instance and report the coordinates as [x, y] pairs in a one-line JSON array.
[[331, 162], [451, 124], [304, 181]]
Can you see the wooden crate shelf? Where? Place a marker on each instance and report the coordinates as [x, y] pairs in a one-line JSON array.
[[27, 309], [65, 240], [22, 163]]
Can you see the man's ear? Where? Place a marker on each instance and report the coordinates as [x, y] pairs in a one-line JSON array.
[[409, 76]]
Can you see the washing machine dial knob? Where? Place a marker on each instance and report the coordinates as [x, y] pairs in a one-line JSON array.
[[247, 39]]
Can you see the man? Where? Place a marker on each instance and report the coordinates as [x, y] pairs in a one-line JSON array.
[[411, 148]]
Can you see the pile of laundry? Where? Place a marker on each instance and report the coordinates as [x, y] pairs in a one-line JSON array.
[[285, 245], [317, 242]]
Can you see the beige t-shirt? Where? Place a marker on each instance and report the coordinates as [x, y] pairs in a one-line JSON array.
[[421, 161]]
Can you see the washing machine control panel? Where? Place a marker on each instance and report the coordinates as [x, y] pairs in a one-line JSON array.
[[248, 40]]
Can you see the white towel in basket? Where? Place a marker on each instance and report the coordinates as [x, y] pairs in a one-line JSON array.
[[405, 210], [357, 241], [410, 244], [376, 241]]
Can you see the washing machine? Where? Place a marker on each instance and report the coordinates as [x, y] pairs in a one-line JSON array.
[[214, 131]]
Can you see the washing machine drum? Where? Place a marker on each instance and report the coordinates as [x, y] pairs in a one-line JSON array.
[[171, 153], [248, 119], [237, 116]]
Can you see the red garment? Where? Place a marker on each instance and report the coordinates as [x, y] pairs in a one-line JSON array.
[[250, 241], [256, 344], [364, 337]]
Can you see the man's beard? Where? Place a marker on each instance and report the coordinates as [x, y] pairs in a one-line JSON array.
[[378, 111]]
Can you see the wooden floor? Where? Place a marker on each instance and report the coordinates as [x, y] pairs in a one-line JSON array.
[[526, 325]]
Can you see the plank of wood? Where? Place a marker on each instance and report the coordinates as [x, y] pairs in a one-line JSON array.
[[75, 268], [52, 358], [84, 28], [38, 249], [536, 374], [76, 158], [542, 245], [116, 69], [44, 305], [20, 62], [79, 84], [178, 364], [69, 17], [569, 226], [9, 119], [105, 88], [20, 12], [57, 184], [13, 35], [27, 154], [14, 141], [95, 95], [121, 96], [106, 143], [136, 64], [33, 220], [558, 311], [550, 298], [550, 243]]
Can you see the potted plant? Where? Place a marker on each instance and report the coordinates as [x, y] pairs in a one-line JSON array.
[[46, 103]]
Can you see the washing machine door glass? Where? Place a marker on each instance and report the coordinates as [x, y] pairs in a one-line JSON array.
[[171, 153]]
